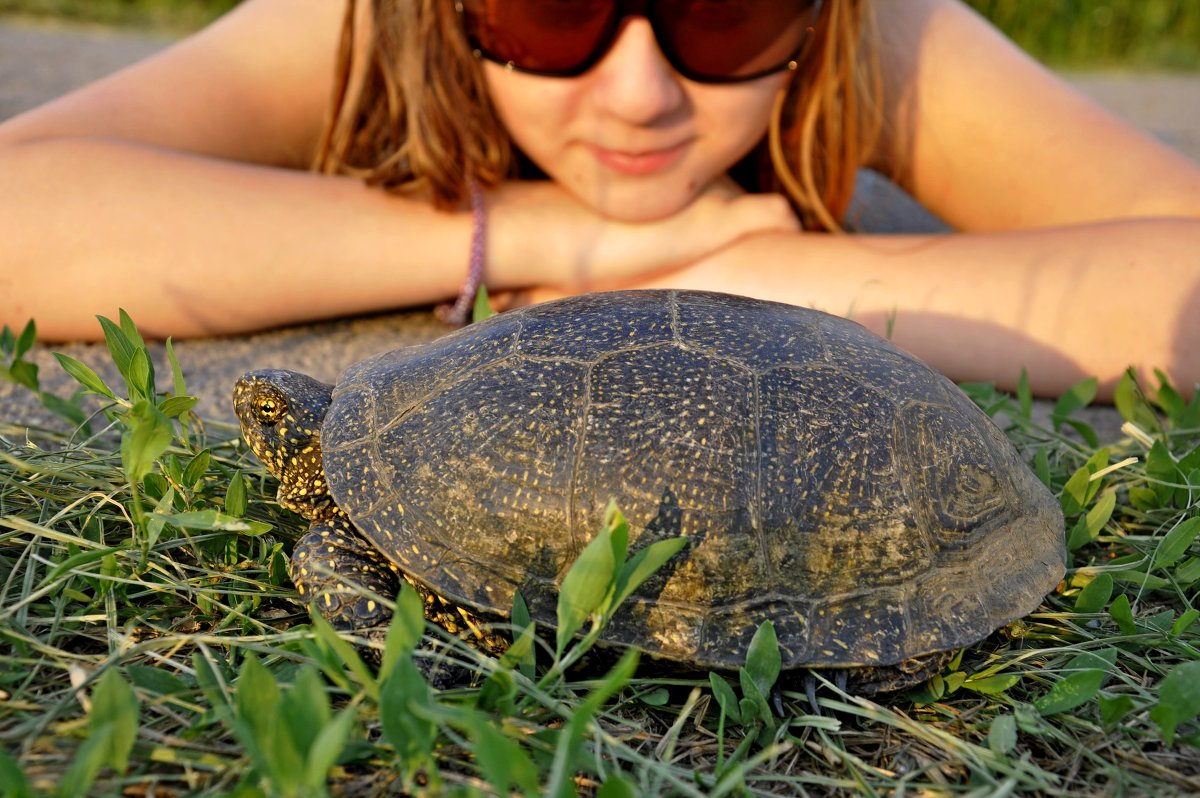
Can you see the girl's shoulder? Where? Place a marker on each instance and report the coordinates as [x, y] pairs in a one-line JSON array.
[[253, 86]]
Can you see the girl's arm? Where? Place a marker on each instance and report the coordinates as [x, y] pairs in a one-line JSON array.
[[176, 189], [1065, 303]]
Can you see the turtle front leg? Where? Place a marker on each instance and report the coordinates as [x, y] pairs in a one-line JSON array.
[[331, 565]]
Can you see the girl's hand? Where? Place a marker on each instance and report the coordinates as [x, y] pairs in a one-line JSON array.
[[540, 235]]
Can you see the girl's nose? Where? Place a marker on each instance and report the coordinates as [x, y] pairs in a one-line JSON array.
[[634, 81]]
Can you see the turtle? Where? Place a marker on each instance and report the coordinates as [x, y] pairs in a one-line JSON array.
[[824, 480]]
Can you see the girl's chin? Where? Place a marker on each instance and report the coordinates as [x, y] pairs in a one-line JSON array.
[[637, 204]]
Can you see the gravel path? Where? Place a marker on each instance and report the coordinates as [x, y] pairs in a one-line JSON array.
[[38, 62]]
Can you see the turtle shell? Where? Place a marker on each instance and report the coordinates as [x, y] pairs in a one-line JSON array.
[[826, 481]]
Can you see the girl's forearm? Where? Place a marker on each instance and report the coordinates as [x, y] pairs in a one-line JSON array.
[[194, 246], [1063, 303]]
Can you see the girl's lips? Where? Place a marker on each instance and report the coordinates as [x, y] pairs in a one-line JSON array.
[[639, 163]]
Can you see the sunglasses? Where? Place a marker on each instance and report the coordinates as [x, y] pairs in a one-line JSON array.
[[708, 41]]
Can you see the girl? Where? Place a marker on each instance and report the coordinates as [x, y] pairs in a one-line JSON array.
[[216, 188]]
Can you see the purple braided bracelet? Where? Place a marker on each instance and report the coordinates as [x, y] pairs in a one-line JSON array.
[[456, 314]]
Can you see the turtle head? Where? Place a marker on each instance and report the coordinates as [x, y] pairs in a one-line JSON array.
[[281, 414]]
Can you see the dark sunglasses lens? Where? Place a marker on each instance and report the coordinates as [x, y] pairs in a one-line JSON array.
[[552, 36], [734, 39]]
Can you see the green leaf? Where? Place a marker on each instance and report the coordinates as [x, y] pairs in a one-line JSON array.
[[304, 709], [114, 718], [1081, 488], [1087, 672], [1002, 735], [1144, 581], [726, 698], [235, 495], [521, 653], [212, 685], [1071, 692], [1077, 397], [1178, 699], [763, 661], [1025, 395], [130, 329], [498, 694], [156, 681], [1100, 514], [148, 436], [1176, 543], [140, 377], [1074, 495], [1188, 572], [753, 706], [215, 521], [644, 564], [1078, 536], [1165, 475], [618, 531], [1041, 465], [119, 346], [1112, 709], [256, 696], [585, 586], [482, 308], [1185, 620], [85, 765], [260, 728], [327, 747], [502, 762], [176, 406], [196, 468], [1132, 404], [344, 651], [66, 409], [1183, 415], [84, 375], [657, 697], [24, 373], [1094, 597], [523, 627], [25, 341], [179, 387], [616, 787], [992, 685], [406, 628], [1085, 430], [409, 731], [11, 776]]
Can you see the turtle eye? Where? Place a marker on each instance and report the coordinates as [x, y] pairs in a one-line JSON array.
[[268, 409]]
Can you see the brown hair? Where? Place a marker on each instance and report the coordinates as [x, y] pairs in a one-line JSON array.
[[411, 112]]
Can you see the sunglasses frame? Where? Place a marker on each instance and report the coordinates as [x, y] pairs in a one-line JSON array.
[[646, 8]]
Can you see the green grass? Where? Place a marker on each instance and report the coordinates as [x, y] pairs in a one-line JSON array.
[[1144, 34], [1159, 34], [151, 643], [170, 15]]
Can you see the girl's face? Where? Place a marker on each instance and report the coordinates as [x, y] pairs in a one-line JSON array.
[[630, 137]]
